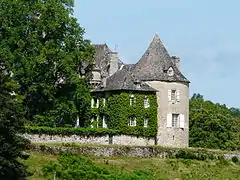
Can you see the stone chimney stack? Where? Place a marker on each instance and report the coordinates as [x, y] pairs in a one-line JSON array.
[[113, 64], [176, 60]]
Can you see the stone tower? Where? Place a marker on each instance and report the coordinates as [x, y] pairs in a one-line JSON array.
[[162, 72]]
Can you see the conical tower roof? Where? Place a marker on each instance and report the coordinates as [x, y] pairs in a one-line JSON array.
[[155, 63]]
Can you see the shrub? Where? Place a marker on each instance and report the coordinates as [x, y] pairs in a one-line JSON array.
[[235, 159], [80, 131]]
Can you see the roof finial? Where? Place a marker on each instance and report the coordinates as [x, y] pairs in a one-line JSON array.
[[156, 35], [115, 48]]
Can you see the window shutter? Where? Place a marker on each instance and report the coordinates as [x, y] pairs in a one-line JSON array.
[[97, 103], [169, 120], [104, 122], [104, 102], [181, 121], [92, 103], [169, 95], [92, 121], [97, 121], [178, 95], [77, 122]]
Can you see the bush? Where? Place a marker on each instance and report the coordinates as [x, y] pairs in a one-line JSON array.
[[235, 159], [80, 131], [70, 131], [185, 155], [202, 156], [70, 166]]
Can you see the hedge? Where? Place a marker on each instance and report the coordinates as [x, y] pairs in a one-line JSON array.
[[76, 131]]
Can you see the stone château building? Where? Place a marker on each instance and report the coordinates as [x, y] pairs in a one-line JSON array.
[[156, 74]]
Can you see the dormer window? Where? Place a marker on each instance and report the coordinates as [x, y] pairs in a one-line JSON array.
[[170, 71], [137, 83]]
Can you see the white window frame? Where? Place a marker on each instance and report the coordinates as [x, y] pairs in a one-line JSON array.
[[170, 71], [180, 121], [145, 123], [104, 124], [146, 102], [132, 122], [178, 95], [94, 118], [131, 100], [95, 104], [175, 119], [174, 95]]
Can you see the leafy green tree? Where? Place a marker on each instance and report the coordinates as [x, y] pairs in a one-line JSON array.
[[49, 57], [235, 111], [211, 125], [11, 125], [197, 96]]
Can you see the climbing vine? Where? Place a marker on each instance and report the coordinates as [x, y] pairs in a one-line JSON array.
[[118, 111]]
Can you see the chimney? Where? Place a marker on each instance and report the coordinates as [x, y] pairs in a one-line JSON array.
[[176, 60], [113, 64]]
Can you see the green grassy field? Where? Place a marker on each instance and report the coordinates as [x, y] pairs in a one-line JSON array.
[[172, 169]]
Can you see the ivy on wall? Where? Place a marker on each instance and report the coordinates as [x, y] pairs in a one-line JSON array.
[[118, 111]]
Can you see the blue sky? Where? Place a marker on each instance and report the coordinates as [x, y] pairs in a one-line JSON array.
[[205, 34]]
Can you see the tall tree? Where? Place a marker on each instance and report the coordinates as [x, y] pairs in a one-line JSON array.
[[48, 55], [212, 125], [11, 125]]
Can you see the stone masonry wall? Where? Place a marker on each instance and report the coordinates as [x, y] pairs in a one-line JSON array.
[[129, 151], [171, 136], [103, 140]]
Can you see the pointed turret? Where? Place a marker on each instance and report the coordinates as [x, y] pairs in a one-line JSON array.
[[155, 64]]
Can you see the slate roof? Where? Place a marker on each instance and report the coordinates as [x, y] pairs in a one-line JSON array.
[[102, 58], [124, 80], [154, 64]]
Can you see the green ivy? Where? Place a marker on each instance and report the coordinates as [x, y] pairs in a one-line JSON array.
[[78, 131], [118, 111], [70, 131]]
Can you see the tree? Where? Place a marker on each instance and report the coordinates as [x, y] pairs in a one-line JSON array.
[[212, 125], [11, 124], [45, 49], [197, 96]]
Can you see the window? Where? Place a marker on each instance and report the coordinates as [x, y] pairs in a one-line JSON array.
[[94, 121], [132, 100], [104, 124], [170, 71], [145, 123], [146, 102], [174, 95], [175, 120], [132, 121], [95, 103]]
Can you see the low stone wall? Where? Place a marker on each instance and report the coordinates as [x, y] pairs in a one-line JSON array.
[[133, 140], [127, 151], [103, 140]]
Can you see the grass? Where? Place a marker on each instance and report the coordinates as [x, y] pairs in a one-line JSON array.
[[36, 162], [169, 169]]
